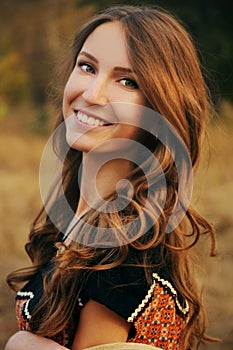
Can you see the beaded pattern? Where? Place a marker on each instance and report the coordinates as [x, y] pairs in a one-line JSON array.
[[165, 283], [23, 324], [23, 316], [156, 320], [22, 309]]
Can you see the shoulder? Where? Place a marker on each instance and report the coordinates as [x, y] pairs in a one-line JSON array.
[[121, 288]]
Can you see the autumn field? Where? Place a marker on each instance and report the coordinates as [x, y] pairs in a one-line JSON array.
[[20, 153]]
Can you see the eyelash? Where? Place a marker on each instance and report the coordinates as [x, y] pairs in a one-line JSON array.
[[82, 64], [133, 83]]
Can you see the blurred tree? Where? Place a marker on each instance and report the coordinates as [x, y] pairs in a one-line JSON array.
[[13, 82], [31, 29], [35, 35]]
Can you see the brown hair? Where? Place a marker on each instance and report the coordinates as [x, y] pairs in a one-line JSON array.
[[168, 74]]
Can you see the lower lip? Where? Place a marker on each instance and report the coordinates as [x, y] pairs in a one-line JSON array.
[[88, 126]]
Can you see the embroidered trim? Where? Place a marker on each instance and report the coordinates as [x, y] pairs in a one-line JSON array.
[[165, 283], [25, 308], [185, 309], [143, 303]]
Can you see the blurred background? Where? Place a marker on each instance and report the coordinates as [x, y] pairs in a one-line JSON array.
[[34, 37]]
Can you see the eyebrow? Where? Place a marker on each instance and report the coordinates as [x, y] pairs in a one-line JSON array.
[[116, 69], [88, 55]]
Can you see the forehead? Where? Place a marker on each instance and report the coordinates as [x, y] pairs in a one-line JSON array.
[[107, 42]]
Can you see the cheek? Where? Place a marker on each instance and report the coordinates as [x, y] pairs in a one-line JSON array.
[[72, 87], [129, 132], [138, 99], [68, 90]]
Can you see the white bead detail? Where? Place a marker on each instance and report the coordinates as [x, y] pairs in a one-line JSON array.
[[143, 303], [149, 294], [25, 309], [80, 302], [185, 309]]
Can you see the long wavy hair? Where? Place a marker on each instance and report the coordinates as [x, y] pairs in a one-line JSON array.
[[168, 74]]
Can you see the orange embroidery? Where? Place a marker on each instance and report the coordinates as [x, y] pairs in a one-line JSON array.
[[158, 320], [159, 324], [62, 338], [23, 325]]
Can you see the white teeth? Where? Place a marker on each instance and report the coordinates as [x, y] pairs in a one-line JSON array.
[[84, 118], [89, 120]]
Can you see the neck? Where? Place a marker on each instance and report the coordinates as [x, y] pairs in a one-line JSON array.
[[100, 183]]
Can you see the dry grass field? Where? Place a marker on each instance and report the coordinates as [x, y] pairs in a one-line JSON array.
[[20, 199]]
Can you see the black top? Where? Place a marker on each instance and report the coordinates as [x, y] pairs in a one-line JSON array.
[[121, 288]]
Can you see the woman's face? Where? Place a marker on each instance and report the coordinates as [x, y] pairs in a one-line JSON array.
[[101, 78]]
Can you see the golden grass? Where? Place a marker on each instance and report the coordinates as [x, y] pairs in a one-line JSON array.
[[20, 200]]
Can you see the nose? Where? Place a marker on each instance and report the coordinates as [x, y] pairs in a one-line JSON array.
[[96, 92]]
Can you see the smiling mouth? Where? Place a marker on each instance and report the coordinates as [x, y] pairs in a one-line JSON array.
[[90, 120]]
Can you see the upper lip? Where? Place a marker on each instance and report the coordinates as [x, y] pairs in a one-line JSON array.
[[88, 113]]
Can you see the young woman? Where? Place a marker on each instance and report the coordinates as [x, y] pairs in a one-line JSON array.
[[119, 270]]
